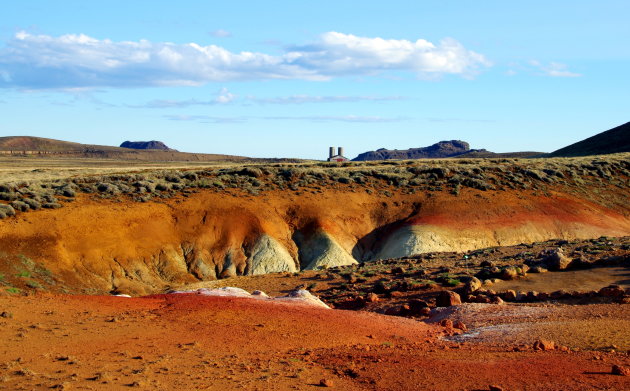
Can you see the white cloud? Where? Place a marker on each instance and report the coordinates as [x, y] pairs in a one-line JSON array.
[[225, 96], [315, 118], [42, 61], [301, 99], [554, 69], [220, 33]]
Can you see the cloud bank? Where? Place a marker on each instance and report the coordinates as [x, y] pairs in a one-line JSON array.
[[79, 61]]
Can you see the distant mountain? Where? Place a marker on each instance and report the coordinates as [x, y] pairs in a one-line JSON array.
[[44, 147], [442, 149], [157, 145], [614, 140]]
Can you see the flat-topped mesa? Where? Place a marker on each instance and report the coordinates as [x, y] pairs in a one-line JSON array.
[[156, 145], [443, 149]]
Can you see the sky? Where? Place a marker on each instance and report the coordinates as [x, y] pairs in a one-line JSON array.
[[291, 78]]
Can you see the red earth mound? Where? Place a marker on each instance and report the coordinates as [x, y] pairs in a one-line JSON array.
[[188, 342]]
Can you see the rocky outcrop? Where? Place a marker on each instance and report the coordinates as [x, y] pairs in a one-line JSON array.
[[155, 145], [269, 256], [443, 149], [320, 251]]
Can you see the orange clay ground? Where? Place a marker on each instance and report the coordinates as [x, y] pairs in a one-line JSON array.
[[191, 342]]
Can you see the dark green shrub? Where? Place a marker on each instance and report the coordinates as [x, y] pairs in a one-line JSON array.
[[51, 205], [251, 172], [7, 210], [173, 178], [108, 188], [8, 196], [33, 204], [19, 205]]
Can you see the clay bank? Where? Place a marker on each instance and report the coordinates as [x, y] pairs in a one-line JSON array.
[[142, 232]]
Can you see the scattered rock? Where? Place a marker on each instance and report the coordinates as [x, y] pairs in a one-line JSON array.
[[509, 295], [371, 298], [6, 314], [611, 291], [326, 383], [447, 299], [620, 371], [473, 285], [543, 344], [495, 388], [446, 323], [458, 324], [486, 264], [557, 260], [538, 269], [509, 273]]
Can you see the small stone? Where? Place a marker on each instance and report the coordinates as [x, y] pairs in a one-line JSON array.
[[371, 298], [398, 270], [326, 383], [446, 323], [497, 300], [509, 273], [473, 285], [509, 295], [458, 324], [5, 314], [495, 388], [543, 344], [620, 371], [611, 291], [538, 269]]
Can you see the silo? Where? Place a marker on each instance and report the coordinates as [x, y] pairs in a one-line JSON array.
[[331, 152], [340, 151]]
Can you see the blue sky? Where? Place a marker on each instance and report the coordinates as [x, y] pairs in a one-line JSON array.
[[290, 78]]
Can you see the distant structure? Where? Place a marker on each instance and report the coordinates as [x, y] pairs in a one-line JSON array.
[[336, 157]]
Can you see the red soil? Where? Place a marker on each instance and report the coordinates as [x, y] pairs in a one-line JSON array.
[[192, 342]]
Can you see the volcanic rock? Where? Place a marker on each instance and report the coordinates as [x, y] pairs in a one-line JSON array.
[[557, 261], [611, 291], [473, 285], [620, 371], [371, 298], [543, 344], [447, 299]]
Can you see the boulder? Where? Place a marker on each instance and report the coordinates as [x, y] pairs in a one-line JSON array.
[[557, 261], [446, 323], [473, 285], [543, 344], [509, 295], [447, 299], [620, 371], [458, 324], [509, 273], [371, 298], [611, 291]]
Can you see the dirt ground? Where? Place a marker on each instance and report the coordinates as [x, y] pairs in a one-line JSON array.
[[184, 342]]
